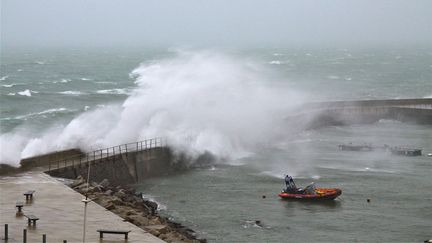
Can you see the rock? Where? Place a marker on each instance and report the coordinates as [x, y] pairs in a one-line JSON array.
[[79, 181], [110, 206], [116, 201], [155, 221], [151, 205], [137, 220], [120, 194], [159, 228], [108, 192], [104, 183], [94, 184], [81, 187]]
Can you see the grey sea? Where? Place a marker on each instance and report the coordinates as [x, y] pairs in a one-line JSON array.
[[74, 95]]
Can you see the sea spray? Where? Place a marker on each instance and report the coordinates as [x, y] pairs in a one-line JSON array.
[[200, 101]]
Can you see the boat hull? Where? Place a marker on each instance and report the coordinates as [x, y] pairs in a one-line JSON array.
[[321, 194]]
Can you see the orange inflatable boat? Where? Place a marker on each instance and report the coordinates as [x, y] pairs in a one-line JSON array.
[[320, 194]]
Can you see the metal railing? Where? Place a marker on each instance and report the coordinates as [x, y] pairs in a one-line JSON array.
[[107, 153]]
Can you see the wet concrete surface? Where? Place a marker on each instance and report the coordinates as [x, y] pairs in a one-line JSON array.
[[60, 211]]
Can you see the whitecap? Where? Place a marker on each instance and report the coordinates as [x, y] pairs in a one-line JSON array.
[[113, 91], [4, 78], [49, 111], [40, 62], [348, 78], [19, 70], [71, 92], [8, 85], [11, 94], [276, 62], [86, 79], [278, 54], [86, 108], [26, 92]]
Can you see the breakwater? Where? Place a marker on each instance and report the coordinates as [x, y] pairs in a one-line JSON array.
[[321, 114]]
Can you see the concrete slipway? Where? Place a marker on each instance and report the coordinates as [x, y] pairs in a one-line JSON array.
[[61, 213]]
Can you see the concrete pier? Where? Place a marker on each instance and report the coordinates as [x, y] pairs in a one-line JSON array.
[[61, 213]]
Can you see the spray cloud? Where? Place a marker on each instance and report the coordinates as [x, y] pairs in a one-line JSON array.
[[200, 101]]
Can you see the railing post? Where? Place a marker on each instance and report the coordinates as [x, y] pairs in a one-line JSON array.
[[24, 236], [58, 164], [6, 232], [44, 238]]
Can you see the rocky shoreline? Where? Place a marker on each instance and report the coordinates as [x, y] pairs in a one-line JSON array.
[[131, 206]]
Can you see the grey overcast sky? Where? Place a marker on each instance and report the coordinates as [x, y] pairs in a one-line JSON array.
[[216, 23]]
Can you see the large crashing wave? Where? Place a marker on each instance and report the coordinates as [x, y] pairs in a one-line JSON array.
[[200, 101]]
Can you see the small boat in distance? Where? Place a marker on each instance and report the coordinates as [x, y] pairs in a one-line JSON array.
[[309, 193]]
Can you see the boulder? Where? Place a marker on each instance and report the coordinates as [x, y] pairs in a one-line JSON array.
[[104, 183], [158, 229], [116, 201], [152, 205], [137, 220], [110, 206], [108, 192], [120, 194], [79, 181], [155, 221]]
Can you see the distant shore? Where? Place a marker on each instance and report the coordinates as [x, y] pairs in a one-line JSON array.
[[130, 206]]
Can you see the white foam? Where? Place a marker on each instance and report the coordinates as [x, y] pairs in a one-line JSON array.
[[86, 79], [276, 62], [49, 111], [8, 85], [4, 78], [113, 91], [71, 92], [26, 92]]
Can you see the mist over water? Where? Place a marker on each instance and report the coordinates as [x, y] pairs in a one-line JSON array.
[[201, 101]]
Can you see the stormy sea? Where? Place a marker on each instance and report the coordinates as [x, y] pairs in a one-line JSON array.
[[233, 103]]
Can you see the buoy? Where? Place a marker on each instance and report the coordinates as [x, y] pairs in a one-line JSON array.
[[368, 200], [263, 196]]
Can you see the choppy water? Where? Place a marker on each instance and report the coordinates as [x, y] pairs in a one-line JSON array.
[[222, 202], [53, 99]]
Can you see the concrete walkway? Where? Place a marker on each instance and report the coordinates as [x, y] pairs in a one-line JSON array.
[[61, 213]]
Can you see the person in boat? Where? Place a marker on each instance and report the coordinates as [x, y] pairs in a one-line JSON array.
[[290, 185]]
